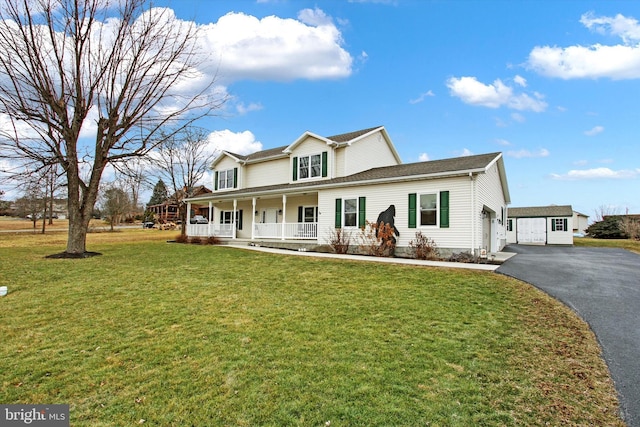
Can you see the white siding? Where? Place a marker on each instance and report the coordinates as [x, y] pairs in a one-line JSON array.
[[267, 173], [379, 197], [489, 194], [311, 146], [370, 152], [556, 237], [225, 164]]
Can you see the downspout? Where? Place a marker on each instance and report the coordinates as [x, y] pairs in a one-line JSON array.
[[473, 216]]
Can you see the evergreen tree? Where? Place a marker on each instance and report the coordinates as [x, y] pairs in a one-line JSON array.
[[160, 194]]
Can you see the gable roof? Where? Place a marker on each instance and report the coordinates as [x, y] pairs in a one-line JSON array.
[[336, 140], [540, 211], [457, 166]]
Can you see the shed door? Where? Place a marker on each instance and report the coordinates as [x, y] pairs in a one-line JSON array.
[[532, 230]]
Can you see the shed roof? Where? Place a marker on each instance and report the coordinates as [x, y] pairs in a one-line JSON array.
[[540, 211]]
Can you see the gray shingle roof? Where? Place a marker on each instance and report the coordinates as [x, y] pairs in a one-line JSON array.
[[540, 211], [346, 137], [434, 168]]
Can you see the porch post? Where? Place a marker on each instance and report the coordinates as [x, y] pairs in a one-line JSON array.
[[188, 217], [209, 233], [233, 219], [284, 215], [253, 219]]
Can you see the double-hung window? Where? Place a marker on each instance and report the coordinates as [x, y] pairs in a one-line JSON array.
[[226, 179], [428, 209], [310, 166], [350, 212]]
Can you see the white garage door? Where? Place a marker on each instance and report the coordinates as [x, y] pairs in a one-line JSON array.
[[532, 230]]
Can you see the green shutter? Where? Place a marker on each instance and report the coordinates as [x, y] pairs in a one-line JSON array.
[[300, 214], [215, 181], [324, 164], [235, 177], [566, 228], [295, 168], [412, 210], [553, 224], [444, 209], [338, 213], [362, 210], [239, 219]]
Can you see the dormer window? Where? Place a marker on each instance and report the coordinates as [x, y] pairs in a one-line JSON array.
[[226, 179], [311, 166]]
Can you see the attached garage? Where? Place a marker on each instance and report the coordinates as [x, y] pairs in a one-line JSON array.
[[541, 225]]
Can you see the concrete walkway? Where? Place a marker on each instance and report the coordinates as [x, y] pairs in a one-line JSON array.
[[499, 258]]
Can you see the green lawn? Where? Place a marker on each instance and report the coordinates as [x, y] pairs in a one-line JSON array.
[[628, 244], [185, 335]]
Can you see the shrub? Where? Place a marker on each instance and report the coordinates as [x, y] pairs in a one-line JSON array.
[[181, 238], [608, 228], [212, 240], [466, 257], [339, 241], [630, 227], [195, 240], [423, 247], [378, 240]]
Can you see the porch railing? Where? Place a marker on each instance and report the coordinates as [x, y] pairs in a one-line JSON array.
[[296, 230], [292, 231], [206, 230]]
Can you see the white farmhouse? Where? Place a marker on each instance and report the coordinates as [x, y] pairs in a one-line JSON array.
[[295, 196]]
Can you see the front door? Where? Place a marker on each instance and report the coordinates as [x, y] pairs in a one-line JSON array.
[[270, 216]]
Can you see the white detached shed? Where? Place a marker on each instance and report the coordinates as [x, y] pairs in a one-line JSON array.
[[541, 225]]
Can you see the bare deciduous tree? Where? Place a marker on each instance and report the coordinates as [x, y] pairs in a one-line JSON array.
[[108, 68], [182, 160]]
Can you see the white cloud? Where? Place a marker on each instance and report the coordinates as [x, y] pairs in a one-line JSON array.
[[244, 109], [422, 97], [597, 173], [494, 95], [503, 142], [424, 157], [517, 117], [274, 48], [616, 62], [627, 28], [520, 81], [235, 142], [464, 153], [594, 131], [521, 154]]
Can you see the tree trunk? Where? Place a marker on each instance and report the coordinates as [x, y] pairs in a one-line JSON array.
[[77, 238]]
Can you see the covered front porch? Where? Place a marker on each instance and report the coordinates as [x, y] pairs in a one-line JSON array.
[[285, 217]]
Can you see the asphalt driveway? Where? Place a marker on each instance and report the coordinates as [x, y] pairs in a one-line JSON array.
[[603, 286]]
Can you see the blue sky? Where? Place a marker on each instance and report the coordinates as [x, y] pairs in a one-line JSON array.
[[554, 85]]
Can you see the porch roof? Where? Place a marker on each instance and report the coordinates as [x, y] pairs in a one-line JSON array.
[[387, 174]]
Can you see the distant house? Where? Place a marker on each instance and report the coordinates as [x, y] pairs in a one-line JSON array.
[[167, 211], [580, 223], [544, 225], [297, 195]]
